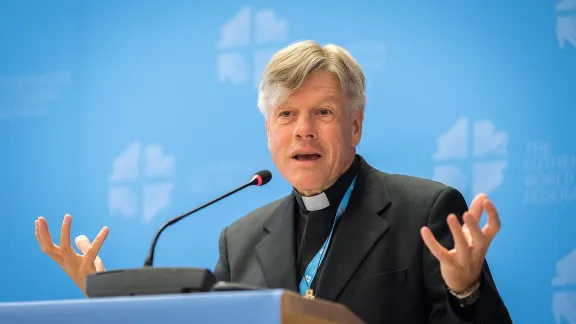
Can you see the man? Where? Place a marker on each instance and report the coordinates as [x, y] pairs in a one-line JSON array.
[[389, 247]]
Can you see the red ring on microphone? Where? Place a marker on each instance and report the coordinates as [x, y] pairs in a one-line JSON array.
[[259, 178]]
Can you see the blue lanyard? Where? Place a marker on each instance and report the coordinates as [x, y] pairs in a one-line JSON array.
[[313, 266]]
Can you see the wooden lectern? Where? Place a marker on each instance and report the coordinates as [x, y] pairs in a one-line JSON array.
[[251, 307]]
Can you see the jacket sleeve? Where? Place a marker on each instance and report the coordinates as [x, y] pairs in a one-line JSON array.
[[489, 308], [222, 268]]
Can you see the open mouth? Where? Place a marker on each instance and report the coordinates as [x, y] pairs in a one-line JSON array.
[[307, 157]]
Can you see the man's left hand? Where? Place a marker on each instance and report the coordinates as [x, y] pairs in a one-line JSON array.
[[461, 267]]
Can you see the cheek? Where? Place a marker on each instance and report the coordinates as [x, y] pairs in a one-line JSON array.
[[346, 136], [276, 145], [336, 140]]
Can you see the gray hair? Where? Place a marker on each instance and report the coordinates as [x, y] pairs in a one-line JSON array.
[[289, 67]]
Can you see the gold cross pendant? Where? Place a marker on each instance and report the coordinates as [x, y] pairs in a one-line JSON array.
[[309, 294]]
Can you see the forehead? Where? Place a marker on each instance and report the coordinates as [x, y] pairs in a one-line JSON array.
[[319, 87]]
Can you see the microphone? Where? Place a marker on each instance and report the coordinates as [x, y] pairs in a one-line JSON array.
[[153, 281], [260, 178]]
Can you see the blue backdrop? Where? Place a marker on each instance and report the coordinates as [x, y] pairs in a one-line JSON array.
[[126, 113]]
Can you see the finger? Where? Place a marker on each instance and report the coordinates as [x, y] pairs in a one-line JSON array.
[[467, 234], [99, 265], [37, 233], [493, 225], [48, 248], [478, 239], [460, 242], [46, 243], [477, 206], [437, 250], [65, 233], [96, 245]]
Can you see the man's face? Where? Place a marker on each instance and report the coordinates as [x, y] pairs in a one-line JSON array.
[[312, 136]]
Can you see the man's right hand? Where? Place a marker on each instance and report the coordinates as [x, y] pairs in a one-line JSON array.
[[77, 266]]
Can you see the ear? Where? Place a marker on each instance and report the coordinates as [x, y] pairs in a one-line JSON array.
[[357, 120]]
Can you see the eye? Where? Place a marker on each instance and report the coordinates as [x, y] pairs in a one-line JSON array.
[[324, 112], [284, 114]]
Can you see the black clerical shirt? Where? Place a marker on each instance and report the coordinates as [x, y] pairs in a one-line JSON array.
[[313, 227]]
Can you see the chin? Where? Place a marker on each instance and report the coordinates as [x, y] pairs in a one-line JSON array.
[[307, 181]]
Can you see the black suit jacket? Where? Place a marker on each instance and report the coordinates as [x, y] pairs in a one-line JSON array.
[[377, 264]]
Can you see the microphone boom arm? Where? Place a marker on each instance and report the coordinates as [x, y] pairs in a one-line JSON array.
[[150, 258]]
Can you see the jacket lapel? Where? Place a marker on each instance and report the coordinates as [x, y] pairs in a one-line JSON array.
[[276, 252], [358, 230]]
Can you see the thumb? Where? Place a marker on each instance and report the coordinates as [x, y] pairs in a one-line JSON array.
[[83, 243]]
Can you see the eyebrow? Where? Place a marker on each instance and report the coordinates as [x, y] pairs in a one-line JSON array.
[[325, 100]]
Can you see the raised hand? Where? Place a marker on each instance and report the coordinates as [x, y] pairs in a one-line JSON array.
[[77, 266], [461, 266]]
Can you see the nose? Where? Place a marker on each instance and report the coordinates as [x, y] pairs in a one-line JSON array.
[[305, 127]]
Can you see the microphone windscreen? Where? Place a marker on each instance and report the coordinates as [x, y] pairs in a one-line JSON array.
[[262, 177]]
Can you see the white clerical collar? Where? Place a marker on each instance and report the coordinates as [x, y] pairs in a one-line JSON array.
[[318, 202]]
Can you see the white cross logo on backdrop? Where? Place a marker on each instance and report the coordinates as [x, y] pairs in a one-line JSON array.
[[141, 181], [564, 300], [479, 153], [247, 43], [566, 22]]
